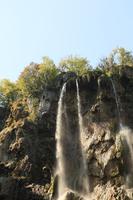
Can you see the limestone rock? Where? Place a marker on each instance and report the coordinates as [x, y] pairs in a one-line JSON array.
[[108, 192]]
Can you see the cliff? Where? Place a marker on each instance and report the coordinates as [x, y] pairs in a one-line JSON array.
[[28, 147]]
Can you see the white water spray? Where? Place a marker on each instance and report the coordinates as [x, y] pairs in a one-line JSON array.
[[82, 139], [117, 103], [59, 150], [71, 164], [127, 137]]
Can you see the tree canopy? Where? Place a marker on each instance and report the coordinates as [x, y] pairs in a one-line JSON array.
[[8, 91], [35, 76], [79, 65], [118, 58], [122, 56]]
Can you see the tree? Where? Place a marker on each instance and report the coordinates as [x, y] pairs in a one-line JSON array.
[[27, 81], [107, 63], [47, 71], [8, 91], [36, 76], [117, 59], [79, 65], [123, 57]]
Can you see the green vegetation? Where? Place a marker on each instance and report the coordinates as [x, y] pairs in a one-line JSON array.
[[79, 65], [35, 77], [118, 59], [8, 92], [122, 57]]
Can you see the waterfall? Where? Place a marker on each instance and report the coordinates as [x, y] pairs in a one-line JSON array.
[[71, 167], [117, 103], [81, 127], [126, 135], [127, 138], [82, 139], [59, 149]]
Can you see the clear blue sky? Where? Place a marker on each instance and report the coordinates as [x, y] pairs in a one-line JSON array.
[[31, 29]]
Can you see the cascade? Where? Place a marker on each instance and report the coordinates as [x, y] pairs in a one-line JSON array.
[[59, 149], [127, 137], [71, 167], [117, 103], [82, 139]]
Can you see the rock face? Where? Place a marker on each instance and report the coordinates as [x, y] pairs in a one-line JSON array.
[[27, 156], [108, 192], [4, 112], [103, 151], [27, 148]]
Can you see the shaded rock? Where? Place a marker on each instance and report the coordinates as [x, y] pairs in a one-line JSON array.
[[95, 169], [112, 169]]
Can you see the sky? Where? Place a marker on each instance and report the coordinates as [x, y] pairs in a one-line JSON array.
[[32, 29]]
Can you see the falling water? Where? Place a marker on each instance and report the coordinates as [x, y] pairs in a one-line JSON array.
[[71, 165], [117, 103], [82, 139], [127, 138], [59, 149], [81, 127]]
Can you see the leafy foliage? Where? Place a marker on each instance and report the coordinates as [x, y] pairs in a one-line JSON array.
[[8, 92], [36, 76], [47, 71], [79, 65], [122, 57], [118, 59], [28, 80]]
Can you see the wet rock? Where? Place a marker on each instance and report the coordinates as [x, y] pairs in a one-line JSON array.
[[112, 168], [103, 153], [70, 195], [69, 75], [130, 193], [95, 169]]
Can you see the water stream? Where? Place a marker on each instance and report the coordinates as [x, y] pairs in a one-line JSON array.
[[126, 135], [127, 138], [71, 164], [82, 139], [117, 103], [59, 148], [70, 152]]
